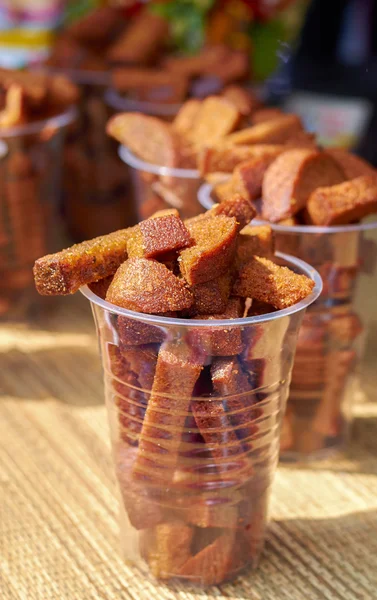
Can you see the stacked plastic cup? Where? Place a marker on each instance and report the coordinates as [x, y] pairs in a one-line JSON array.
[[97, 186], [325, 378], [30, 187], [195, 410]]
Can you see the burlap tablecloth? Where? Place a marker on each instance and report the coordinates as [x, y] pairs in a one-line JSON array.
[[58, 509]]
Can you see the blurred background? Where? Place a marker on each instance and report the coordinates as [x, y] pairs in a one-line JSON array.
[[315, 57]]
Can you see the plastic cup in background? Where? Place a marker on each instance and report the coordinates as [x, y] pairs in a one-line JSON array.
[[325, 378], [30, 187], [194, 467], [120, 103], [97, 187], [152, 191], [158, 187]]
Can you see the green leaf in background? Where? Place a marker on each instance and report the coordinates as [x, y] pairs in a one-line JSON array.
[[188, 22], [78, 8], [267, 39]]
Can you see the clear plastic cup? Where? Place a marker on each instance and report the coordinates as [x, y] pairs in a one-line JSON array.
[[120, 103], [30, 187], [195, 432], [325, 377], [158, 187], [97, 186]]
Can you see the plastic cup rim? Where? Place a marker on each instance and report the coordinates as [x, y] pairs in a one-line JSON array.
[[137, 163], [126, 104], [57, 122], [205, 200], [244, 321]]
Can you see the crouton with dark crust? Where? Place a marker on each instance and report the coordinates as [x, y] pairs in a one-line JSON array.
[[149, 287], [263, 280]]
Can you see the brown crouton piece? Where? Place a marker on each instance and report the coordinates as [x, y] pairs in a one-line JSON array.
[[66, 271], [353, 166], [263, 280], [259, 308], [164, 234], [195, 65], [128, 397], [247, 178], [164, 212], [149, 287], [138, 44], [206, 514], [13, 112], [345, 328], [211, 297], [168, 548], [135, 246], [158, 236], [266, 114], [137, 333], [216, 428], [233, 385], [239, 207], [263, 351], [234, 67], [150, 82], [142, 360], [177, 371], [34, 85], [223, 190], [141, 510], [216, 118], [276, 131], [186, 116], [292, 177], [213, 563], [250, 540], [344, 203], [100, 287], [217, 341], [215, 244], [95, 27], [338, 367], [148, 137], [245, 101], [224, 158], [255, 240], [302, 139]]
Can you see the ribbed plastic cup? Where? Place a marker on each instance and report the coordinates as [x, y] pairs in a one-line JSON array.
[[325, 379], [195, 410], [157, 187], [30, 187]]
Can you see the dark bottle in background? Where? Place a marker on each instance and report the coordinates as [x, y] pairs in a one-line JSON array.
[[330, 78]]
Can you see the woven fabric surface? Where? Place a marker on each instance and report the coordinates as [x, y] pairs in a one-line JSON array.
[[58, 504]]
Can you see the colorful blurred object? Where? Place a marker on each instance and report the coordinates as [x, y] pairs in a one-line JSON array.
[[26, 30], [259, 26]]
